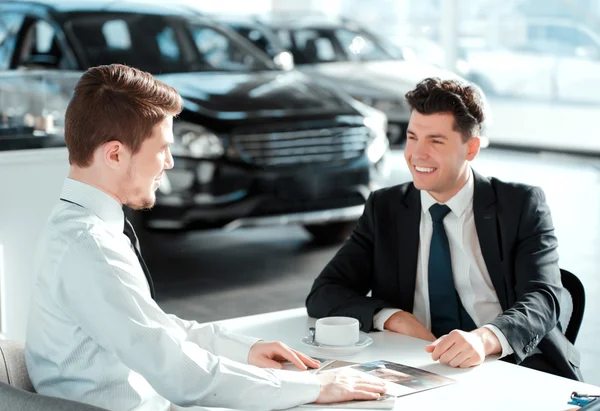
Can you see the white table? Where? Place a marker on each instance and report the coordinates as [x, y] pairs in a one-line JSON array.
[[494, 385]]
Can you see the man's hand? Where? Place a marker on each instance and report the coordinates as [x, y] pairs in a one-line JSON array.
[[337, 387], [270, 354], [405, 323], [464, 349]]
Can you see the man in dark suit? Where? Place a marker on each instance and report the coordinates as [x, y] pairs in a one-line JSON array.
[[466, 262]]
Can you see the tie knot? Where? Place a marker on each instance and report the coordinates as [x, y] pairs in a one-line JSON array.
[[438, 212]]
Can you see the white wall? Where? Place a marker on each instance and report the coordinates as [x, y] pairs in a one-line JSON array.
[[30, 183]]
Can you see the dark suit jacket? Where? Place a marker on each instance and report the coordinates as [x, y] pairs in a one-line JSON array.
[[517, 241]]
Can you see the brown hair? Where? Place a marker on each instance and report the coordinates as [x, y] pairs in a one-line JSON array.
[[115, 102], [461, 99]]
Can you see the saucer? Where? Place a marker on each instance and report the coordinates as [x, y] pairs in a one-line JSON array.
[[339, 350]]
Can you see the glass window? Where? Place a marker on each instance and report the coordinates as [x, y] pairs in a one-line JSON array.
[[360, 46], [314, 46], [219, 52], [257, 38], [149, 43], [116, 34], [10, 23], [40, 46]]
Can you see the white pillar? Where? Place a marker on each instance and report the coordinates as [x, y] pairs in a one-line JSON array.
[[449, 32]]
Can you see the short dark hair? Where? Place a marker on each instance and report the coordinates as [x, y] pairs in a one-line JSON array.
[[461, 99], [115, 102]]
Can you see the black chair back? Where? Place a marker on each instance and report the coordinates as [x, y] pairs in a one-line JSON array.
[[577, 293]]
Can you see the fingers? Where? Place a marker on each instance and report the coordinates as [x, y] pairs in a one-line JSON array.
[[429, 348], [365, 395], [462, 360], [445, 343], [378, 388], [310, 362], [291, 356]]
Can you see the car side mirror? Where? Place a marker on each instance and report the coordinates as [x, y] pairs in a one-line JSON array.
[[284, 60]]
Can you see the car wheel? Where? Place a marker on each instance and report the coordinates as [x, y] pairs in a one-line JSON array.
[[331, 233]]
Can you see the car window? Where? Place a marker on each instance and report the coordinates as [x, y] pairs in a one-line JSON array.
[[359, 46], [150, 43], [220, 52], [314, 46], [559, 40], [10, 24], [40, 47], [257, 38]]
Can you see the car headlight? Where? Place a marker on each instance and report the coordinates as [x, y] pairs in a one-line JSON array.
[[193, 140], [378, 144]]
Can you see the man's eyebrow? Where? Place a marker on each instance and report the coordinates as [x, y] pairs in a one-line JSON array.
[[428, 135]]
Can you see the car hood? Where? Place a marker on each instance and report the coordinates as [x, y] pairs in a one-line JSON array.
[[391, 79], [258, 94]]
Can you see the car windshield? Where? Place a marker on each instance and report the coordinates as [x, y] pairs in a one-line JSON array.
[[160, 44], [323, 45]]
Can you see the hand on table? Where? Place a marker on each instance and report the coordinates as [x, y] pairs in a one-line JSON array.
[[270, 354], [338, 387], [405, 323], [464, 349]]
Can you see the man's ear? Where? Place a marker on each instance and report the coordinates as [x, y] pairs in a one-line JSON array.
[[473, 146], [114, 153]]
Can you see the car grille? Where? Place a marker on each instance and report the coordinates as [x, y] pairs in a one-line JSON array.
[[309, 146]]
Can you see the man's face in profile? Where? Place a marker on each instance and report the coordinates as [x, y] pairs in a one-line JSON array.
[[147, 166]]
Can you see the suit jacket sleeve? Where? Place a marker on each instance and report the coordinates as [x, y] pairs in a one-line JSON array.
[[536, 278], [342, 287]]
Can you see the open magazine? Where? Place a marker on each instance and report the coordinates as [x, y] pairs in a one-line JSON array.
[[400, 380]]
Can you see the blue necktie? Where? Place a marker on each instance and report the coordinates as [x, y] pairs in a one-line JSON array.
[[446, 310]]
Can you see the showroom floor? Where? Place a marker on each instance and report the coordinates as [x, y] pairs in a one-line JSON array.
[[212, 276]]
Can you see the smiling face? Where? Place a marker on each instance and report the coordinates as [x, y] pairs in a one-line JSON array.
[[147, 166], [437, 155]]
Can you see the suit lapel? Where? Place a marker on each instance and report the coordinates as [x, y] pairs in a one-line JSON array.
[[409, 219], [486, 223]]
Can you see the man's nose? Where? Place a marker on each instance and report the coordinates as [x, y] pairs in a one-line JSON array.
[[420, 150], [169, 161]]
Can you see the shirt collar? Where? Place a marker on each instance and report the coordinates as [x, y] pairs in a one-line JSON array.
[[459, 204], [95, 200]]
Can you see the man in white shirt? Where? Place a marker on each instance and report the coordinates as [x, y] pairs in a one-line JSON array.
[[95, 334], [464, 261]]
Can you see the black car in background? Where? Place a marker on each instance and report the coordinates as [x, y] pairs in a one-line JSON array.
[[255, 145]]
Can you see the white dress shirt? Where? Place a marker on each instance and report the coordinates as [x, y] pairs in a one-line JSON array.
[[471, 277], [95, 335]]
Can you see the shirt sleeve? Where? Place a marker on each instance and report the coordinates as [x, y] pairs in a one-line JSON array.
[[382, 316], [217, 339], [104, 290], [506, 348]]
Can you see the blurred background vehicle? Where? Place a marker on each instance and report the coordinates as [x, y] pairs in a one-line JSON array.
[[363, 64], [254, 146], [545, 58]]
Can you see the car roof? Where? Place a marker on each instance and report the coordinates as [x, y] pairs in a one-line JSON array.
[[283, 20], [124, 6]]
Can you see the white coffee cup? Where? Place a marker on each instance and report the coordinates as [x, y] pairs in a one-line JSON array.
[[340, 331]]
